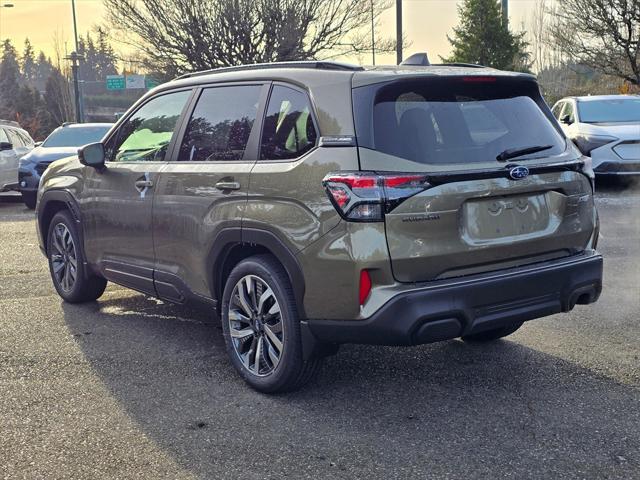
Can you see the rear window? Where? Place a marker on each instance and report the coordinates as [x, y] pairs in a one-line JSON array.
[[453, 121], [623, 110]]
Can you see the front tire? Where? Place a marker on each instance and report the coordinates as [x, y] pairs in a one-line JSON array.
[[494, 334], [262, 328], [71, 278]]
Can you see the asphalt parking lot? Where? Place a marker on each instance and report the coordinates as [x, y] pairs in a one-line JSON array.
[[130, 387]]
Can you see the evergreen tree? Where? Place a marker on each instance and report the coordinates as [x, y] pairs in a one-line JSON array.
[[9, 80], [105, 56], [44, 67], [28, 63], [483, 38], [57, 98]]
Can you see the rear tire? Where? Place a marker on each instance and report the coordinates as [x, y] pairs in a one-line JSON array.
[[70, 275], [491, 335], [29, 199], [262, 328]]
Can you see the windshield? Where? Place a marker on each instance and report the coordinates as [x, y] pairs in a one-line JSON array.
[[75, 136], [455, 120], [613, 110]]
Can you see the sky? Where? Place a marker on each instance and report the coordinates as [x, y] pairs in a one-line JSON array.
[[426, 23]]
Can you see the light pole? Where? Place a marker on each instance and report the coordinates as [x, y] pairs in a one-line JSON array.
[[75, 58], [373, 35], [398, 32], [4, 5]]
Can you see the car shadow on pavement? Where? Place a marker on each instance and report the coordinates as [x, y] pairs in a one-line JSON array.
[[450, 409]]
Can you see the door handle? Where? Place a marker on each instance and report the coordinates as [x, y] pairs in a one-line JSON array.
[[228, 186], [142, 184]]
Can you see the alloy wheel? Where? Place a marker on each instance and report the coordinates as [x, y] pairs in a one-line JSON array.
[[64, 259], [255, 325]]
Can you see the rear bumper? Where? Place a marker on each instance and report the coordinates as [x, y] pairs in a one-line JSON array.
[[472, 304]]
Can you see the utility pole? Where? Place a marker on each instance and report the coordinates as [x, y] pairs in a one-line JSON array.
[[5, 5], [75, 58], [505, 13], [373, 36], [398, 32]]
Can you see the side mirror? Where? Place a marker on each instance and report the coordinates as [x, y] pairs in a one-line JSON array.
[[92, 155], [566, 119], [6, 146]]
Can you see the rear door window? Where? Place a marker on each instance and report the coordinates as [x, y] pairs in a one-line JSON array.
[[288, 131], [221, 123], [448, 121]]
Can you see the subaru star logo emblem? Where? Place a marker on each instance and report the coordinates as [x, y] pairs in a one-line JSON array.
[[518, 173]]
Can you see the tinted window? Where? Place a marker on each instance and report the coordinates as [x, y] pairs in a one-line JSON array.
[[452, 121], [221, 123], [623, 110], [75, 136], [145, 136], [288, 127]]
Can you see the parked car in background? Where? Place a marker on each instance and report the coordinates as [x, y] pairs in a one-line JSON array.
[[605, 128], [14, 143], [62, 142]]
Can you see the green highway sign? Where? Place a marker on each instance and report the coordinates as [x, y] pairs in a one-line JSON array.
[[151, 82], [115, 82]]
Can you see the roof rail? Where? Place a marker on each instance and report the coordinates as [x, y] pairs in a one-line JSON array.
[[459, 64], [321, 65], [9, 122]]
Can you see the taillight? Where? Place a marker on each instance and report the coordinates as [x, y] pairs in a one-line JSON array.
[[367, 196]]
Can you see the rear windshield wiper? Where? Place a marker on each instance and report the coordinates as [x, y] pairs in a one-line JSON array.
[[518, 152]]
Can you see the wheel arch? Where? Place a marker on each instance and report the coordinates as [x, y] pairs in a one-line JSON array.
[[233, 245], [52, 202]]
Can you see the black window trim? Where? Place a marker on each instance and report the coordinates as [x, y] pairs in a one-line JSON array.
[[251, 151], [116, 129], [309, 97]]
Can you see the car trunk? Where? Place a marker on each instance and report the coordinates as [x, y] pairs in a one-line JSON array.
[[475, 214]]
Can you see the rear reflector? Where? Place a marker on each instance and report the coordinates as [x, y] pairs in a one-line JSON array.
[[365, 286]]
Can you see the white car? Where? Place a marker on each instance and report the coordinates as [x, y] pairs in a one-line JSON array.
[[605, 128], [14, 143]]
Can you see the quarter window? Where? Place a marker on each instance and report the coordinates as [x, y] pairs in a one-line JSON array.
[[221, 123], [288, 127], [146, 135]]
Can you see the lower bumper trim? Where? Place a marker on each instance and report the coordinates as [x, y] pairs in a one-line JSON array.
[[434, 314]]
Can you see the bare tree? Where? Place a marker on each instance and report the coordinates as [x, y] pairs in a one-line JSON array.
[[601, 34], [187, 35]]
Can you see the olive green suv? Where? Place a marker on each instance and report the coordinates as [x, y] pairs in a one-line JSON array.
[[314, 204]]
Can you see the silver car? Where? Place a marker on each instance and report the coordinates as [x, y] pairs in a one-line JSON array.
[[14, 143], [605, 128]]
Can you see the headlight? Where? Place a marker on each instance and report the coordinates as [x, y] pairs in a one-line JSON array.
[[587, 143]]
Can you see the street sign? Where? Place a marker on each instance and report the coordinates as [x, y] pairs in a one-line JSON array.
[[151, 83], [135, 81], [115, 82]]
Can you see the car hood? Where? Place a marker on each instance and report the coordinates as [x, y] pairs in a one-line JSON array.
[[623, 131], [48, 155]]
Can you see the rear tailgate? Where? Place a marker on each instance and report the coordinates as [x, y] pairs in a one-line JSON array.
[[468, 130], [474, 226]]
